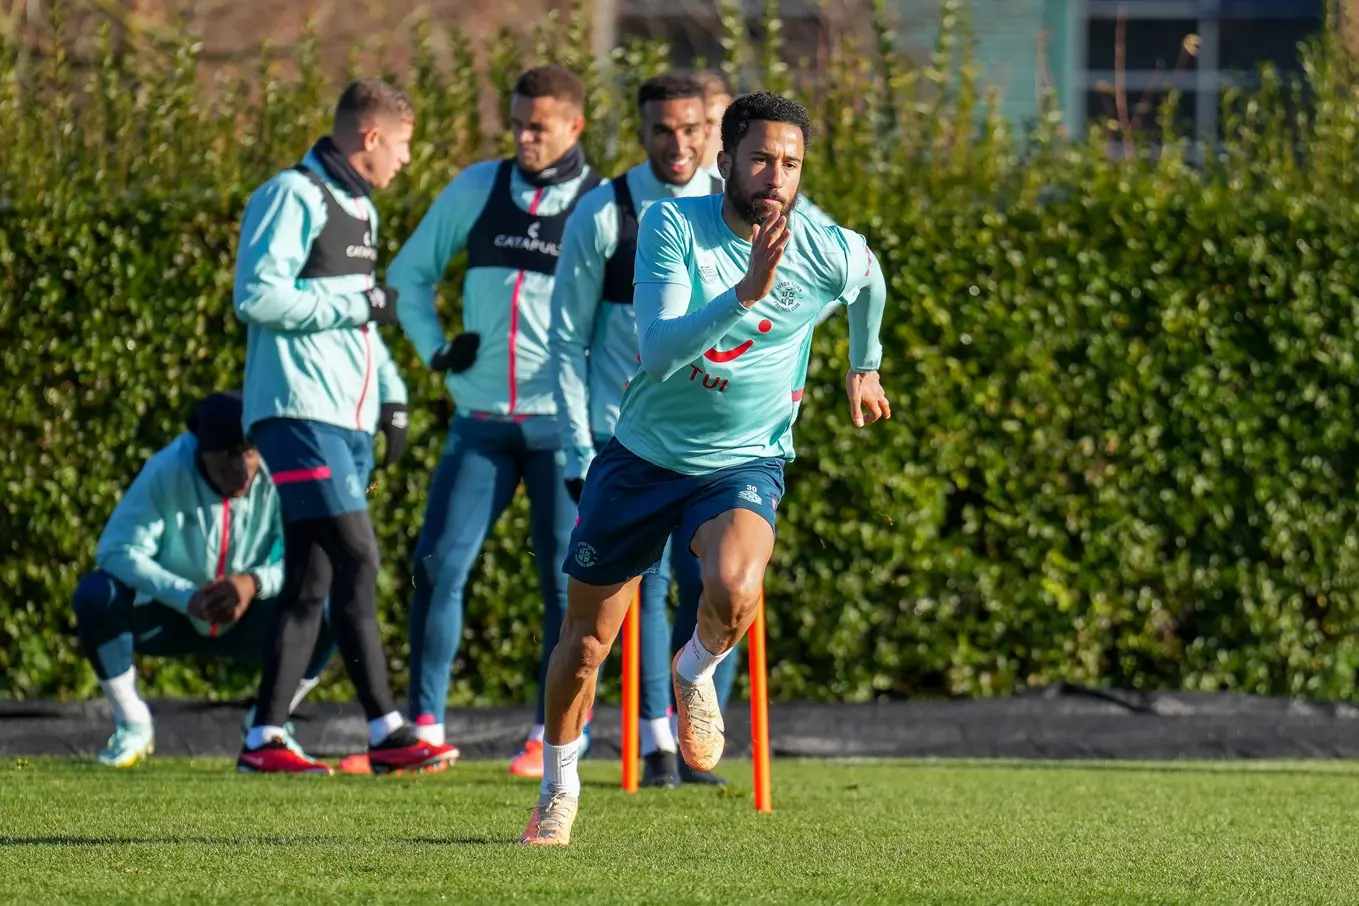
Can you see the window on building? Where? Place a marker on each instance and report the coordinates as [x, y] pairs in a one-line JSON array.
[[1230, 40]]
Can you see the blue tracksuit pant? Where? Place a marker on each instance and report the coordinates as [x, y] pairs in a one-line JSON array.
[[485, 460], [111, 627]]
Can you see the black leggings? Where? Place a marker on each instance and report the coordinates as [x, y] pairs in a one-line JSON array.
[[335, 555]]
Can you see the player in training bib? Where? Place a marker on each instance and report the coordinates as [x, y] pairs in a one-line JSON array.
[[727, 288]]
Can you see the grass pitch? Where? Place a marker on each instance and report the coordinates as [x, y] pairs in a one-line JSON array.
[[193, 831]]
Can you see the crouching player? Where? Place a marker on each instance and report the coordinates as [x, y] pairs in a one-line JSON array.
[[189, 563]]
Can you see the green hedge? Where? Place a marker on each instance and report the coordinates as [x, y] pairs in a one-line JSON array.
[[1124, 443]]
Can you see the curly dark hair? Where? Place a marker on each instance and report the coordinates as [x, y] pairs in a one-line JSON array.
[[762, 106], [669, 87]]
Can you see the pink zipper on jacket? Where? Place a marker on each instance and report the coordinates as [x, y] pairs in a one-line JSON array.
[[514, 312], [222, 554]]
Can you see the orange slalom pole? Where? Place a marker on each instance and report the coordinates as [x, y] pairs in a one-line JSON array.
[[759, 713], [632, 681]]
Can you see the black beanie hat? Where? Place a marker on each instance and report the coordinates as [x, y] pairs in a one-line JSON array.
[[216, 422]]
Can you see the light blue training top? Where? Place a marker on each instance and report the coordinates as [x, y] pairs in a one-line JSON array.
[[593, 341], [717, 381]]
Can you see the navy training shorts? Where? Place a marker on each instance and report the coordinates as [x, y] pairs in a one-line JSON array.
[[320, 470], [630, 507]]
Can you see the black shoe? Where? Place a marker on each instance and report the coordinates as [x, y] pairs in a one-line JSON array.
[[689, 775], [662, 770], [401, 738]]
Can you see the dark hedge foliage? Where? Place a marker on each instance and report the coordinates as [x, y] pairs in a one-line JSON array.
[[1124, 443]]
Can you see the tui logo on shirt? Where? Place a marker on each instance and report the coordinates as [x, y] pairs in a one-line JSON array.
[[722, 356]]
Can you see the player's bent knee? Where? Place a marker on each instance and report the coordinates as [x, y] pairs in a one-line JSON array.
[[96, 596], [594, 652], [584, 650], [735, 582]]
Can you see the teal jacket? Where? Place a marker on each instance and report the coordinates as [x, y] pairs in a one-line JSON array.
[[509, 309], [309, 354], [172, 532], [594, 343]]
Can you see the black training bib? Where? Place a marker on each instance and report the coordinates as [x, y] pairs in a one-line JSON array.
[[619, 269], [345, 247], [505, 235]]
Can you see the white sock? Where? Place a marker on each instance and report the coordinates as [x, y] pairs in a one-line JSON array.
[[128, 707], [656, 735], [538, 733], [302, 689], [384, 726], [674, 723], [258, 736], [697, 663], [430, 733], [561, 768]]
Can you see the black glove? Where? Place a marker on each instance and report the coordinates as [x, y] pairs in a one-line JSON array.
[[381, 304], [458, 354], [574, 487], [394, 423]]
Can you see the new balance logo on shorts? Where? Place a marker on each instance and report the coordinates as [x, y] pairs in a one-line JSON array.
[[750, 494]]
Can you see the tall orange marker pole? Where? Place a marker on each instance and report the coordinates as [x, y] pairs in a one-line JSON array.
[[759, 704], [759, 713], [632, 681]]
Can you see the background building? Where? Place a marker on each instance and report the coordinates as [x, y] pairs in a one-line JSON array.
[[1021, 45], [1197, 46]]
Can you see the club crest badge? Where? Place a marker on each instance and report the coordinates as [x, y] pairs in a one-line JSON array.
[[785, 296]]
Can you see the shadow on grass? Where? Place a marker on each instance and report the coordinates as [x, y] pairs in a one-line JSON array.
[[6, 841]]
